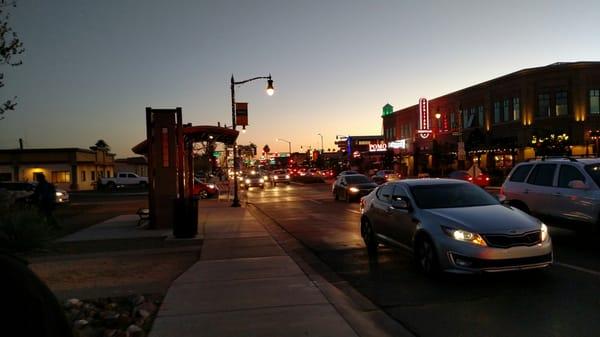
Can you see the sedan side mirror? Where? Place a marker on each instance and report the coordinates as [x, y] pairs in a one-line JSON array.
[[400, 203], [578, 185]]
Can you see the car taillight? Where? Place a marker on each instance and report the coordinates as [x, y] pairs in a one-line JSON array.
[[470, 178]]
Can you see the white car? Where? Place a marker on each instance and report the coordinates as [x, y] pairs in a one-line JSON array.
[[566, 189]]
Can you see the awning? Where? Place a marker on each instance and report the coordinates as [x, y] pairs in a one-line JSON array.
[[198, 133]]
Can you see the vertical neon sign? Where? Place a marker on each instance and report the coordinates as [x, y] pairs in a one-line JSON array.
[[424, 130]]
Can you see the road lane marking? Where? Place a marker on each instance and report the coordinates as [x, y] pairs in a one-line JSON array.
[[581, 269], [353, 211], [315, 201]]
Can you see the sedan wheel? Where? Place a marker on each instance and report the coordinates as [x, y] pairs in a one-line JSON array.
[[369, 237], [426, 256]]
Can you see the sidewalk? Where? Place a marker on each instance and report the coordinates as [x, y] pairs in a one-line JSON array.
[[245, 285]]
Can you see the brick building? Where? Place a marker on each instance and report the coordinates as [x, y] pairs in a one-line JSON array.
[[550, 110]]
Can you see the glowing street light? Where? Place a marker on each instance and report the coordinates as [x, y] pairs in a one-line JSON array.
[[270, 91]]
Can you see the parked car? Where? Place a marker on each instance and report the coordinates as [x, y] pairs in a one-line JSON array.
[[21, 191], [453, 226], [563, 189], [351, 187], [279, 176], [205, 190], [378, 180], [253, 180], [124, 179]]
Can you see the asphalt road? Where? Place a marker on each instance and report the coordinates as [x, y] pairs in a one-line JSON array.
[[563, 300]]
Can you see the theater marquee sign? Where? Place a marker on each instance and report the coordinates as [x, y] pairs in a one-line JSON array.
[[381, 147], [424, 130]]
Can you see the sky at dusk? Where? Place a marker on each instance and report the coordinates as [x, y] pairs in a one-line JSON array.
[[91, 67]]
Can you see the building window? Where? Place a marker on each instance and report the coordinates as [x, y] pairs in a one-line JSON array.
[[516, 109], [496, 112], [595, 102], [61, 176], [506, 110], [561, 103], [83, 176], [480, 116], [466, 123], [452, 120], [543, 106], [93, 175]]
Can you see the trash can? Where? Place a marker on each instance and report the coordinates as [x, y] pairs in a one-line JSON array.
[[185, 223]]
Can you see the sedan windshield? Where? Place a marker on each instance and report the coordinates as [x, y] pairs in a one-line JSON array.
[[357, 179], [451, 195]]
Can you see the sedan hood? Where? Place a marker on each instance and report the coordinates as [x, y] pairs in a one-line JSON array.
[[492, 219]]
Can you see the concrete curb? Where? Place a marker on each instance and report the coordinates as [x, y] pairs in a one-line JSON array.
[[363, 316]]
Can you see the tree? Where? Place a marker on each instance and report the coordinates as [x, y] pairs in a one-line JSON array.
[[266, 149], [11, 48], [100, 145]]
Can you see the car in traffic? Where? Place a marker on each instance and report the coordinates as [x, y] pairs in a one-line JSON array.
[[278, 177], [560, 189], [387, 175], [481, 179], [453, 226], [253, 180], [22, 191], [351, 187], [204, 190], [348, 172]]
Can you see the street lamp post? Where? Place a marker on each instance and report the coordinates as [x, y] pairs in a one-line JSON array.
[[270, 91], [321, 142], [289, 144]]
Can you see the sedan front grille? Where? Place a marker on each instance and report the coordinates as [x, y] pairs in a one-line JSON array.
[[506, 241]]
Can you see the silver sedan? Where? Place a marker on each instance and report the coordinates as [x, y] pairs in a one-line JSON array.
[[453, 226]]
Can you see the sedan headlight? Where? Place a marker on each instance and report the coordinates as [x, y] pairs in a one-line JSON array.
[[211, 186], [59, 194], [465, 236], [287, 176], [544, 230], [353, 189], [247, 181]]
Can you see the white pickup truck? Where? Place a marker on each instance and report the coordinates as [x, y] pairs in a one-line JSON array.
[[124, 179]]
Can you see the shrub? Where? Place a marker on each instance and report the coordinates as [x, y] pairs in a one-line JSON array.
[[23, 229]]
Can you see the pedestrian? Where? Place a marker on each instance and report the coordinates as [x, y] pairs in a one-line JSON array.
[[45, 198]]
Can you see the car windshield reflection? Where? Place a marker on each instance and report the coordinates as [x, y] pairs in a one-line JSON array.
[[357, 179], [451, 196]]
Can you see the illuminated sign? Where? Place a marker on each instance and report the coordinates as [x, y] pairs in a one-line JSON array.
[[424, 130], [377, 147], [398, 144]]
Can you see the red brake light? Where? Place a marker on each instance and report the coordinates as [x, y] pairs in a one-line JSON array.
[[487, 178], [470, 178]]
